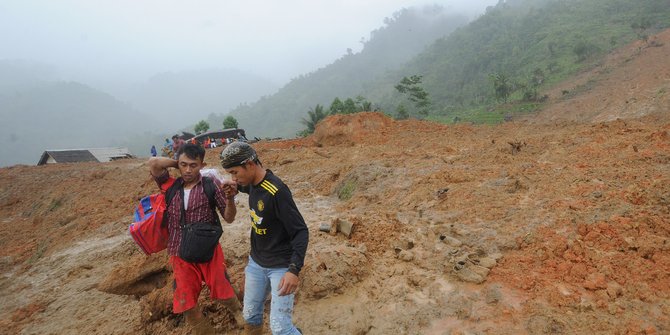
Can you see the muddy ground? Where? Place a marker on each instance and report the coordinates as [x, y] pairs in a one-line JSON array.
[[555, 224]]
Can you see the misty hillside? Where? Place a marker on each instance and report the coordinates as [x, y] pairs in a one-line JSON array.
[[187, 97], [61, 115], [532, 44], [529, 44], [404, 35], [16, 75], [41, 111]]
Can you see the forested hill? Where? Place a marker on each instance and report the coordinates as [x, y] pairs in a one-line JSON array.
[[404, 35], [510, 53], [527, 45]]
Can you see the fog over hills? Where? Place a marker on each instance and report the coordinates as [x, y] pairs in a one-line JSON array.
[[77, 74], [402, 37], [41, 111], [187, 97], [55, 115]]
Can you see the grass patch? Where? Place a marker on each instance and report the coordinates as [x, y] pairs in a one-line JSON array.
[[347, 189], [491, 114]]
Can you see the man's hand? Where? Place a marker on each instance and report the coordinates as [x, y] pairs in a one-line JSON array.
[[288, 284], [229, 188]]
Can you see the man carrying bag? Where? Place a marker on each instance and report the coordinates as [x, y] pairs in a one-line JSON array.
[[194, 230]]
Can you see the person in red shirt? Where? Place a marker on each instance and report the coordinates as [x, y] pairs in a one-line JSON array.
[[189, 276]]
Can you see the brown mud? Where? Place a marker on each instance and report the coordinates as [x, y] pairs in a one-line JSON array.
[[557, 224]]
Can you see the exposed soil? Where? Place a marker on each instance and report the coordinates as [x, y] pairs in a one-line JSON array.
[[540, 226]]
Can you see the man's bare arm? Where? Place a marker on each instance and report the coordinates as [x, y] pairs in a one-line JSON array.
[[230, 211], [158, 165]]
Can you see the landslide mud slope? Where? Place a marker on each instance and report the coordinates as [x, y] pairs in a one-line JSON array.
[[632, 81], [521, 228]]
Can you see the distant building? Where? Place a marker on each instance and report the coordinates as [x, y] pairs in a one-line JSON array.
[[83, 155]]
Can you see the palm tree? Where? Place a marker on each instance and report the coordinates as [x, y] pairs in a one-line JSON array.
[[315, 116]]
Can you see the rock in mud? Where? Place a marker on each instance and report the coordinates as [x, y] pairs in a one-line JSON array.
[[454, 242], [487, 262], [406, 256], [480, 270], [464, 271]]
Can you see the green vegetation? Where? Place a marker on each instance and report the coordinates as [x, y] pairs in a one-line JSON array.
[[230, 122], [411, 88], [519, 47], [401, 38], [315, 115], [201, 127], [401, 112], [346, 189], [484, 72], [502, 86], [349, 106]]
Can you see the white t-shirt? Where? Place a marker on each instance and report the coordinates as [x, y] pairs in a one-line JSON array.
[[187, 193]]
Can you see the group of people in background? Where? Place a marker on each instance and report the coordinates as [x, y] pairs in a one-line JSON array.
[[172, 146]]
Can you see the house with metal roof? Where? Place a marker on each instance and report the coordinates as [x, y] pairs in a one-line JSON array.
[[84, 155]]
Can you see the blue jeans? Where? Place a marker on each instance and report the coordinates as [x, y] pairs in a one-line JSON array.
[[258, 283]]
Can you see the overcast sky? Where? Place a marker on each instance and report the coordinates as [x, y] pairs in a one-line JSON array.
[[277, 39]]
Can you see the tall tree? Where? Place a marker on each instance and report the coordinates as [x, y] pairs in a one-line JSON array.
[[201, 127], [411, 87], [363, 105], [230, 122], [315, 116], [349, 106], [336, 106], [502, 86]]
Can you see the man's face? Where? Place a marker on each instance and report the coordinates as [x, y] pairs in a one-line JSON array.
[[189, 168], [242, 174]]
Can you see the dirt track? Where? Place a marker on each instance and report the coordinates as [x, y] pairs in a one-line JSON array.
[[522, 228]]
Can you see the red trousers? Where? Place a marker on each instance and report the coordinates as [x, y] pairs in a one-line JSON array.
[[188, 279]]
